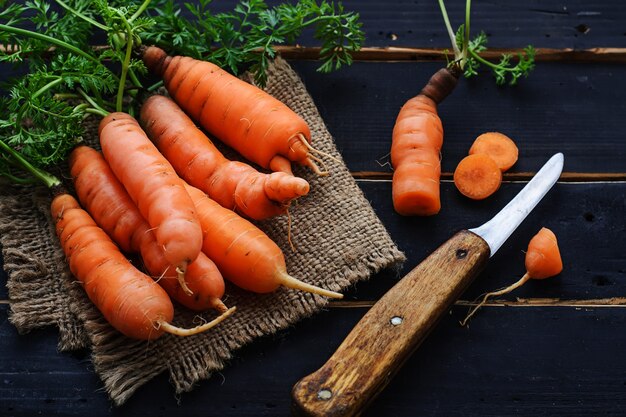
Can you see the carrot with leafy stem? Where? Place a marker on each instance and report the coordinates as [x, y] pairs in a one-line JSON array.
[[233, 184], [258, 126], [244, 253], [104, 197], [417, 135], [543, 260], [155, 188], [129, 300]]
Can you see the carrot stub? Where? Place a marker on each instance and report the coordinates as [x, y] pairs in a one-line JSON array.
[[128, 299], [543, 260], [477, 176], [498, 146]]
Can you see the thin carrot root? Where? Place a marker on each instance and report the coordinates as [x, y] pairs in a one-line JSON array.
[[218, 305], [311, 163], [291, 282], [315, 150], [506, 290], [178, 331], [180, 274]]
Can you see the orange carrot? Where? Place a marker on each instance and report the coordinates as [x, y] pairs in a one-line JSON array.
[[105, 198], [477, 176], [498, 147], [415, 148], [255, 124], [128, 299], [543, 260], [233, 184], [245, 255], [154, 186]]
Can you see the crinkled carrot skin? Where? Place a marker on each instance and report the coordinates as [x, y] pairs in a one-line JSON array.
[[243, 253], [105, 198], [477, 176], [233, 184], [498, 147], [243, 116], [415, 148], [543, 258], [154, 187], [129, 300]]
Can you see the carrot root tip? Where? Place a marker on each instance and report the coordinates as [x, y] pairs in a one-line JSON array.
[[179, 331], [180, 274], [291, 282]]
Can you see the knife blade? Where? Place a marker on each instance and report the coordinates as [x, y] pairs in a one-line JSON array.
[[395, 326]]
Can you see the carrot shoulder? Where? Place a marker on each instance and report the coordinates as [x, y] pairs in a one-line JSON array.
[[104, 197], [154, 186], [415, 148], [195, 158], [255, 124]]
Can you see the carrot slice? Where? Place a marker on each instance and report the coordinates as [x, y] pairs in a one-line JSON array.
[[499, 147], [477, 176]]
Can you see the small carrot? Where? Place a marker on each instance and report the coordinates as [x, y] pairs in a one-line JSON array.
[[233, 184], [105, 198], [155, 188], [543, 260], [128, 299], [245, 255], [477, 176], [255, 124], [498, 147], [416, 145]]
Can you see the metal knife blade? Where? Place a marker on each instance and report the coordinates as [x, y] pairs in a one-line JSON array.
[[396, 325], [497, 230]]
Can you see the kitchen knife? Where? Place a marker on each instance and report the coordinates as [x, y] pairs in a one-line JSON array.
[[395, 326]]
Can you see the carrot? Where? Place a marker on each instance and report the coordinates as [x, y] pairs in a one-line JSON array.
[[415, 148], [155, 188], [232, 184], [128, 299], [543, 260], [255, 124], [105, 198], [477, 176], [243, 253], [498, 147]]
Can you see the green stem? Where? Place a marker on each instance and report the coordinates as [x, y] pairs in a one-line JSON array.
[[488, 63], [48, 179], [139, 11], [90, 100], [466, 38], [47, 87], [50, 39], [102, 113], [125, 64], [134, 79], [82, 16], [446, 19]]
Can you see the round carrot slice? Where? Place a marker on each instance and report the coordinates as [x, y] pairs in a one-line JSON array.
[[499, 147], [477, 176]]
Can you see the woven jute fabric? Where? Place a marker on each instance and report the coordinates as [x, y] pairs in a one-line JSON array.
[[337, 237]]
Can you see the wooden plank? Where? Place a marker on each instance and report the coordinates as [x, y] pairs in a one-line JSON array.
[[556, 109], [509, 361]]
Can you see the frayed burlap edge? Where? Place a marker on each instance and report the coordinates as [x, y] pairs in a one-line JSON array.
[[338, 239]]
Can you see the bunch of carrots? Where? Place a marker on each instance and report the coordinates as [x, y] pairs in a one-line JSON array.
[[161, 189]]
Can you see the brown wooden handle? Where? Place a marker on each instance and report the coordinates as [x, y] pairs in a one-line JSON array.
[[390, 331]]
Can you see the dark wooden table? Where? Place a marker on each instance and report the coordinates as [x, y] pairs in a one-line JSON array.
[[553, 348]]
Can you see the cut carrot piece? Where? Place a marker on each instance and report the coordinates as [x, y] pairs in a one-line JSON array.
[[477, 176], [543, 258], [499, 147]]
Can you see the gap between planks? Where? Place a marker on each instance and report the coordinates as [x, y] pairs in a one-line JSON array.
[[614, 302], [515, 176]]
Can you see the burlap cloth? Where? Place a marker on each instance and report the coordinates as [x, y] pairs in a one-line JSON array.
[[338, 239]]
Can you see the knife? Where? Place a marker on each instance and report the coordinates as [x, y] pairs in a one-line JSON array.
[[395, 326]]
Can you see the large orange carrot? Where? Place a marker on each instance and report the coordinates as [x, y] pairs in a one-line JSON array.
[[154, 186], [415, 148], [128, 299], [105, 198], [233, 184], [243, 253], [255, 124], [543, 260]]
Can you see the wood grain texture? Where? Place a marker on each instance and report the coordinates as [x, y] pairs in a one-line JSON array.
[[391, 330]]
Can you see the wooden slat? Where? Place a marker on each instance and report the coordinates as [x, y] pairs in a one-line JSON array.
[[511, 176]]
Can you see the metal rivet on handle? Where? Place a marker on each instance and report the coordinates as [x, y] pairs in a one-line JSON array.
[[324, 394], [396, 320], [461, 253]]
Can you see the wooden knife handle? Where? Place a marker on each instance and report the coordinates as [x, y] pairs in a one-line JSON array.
[[390, 331]]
